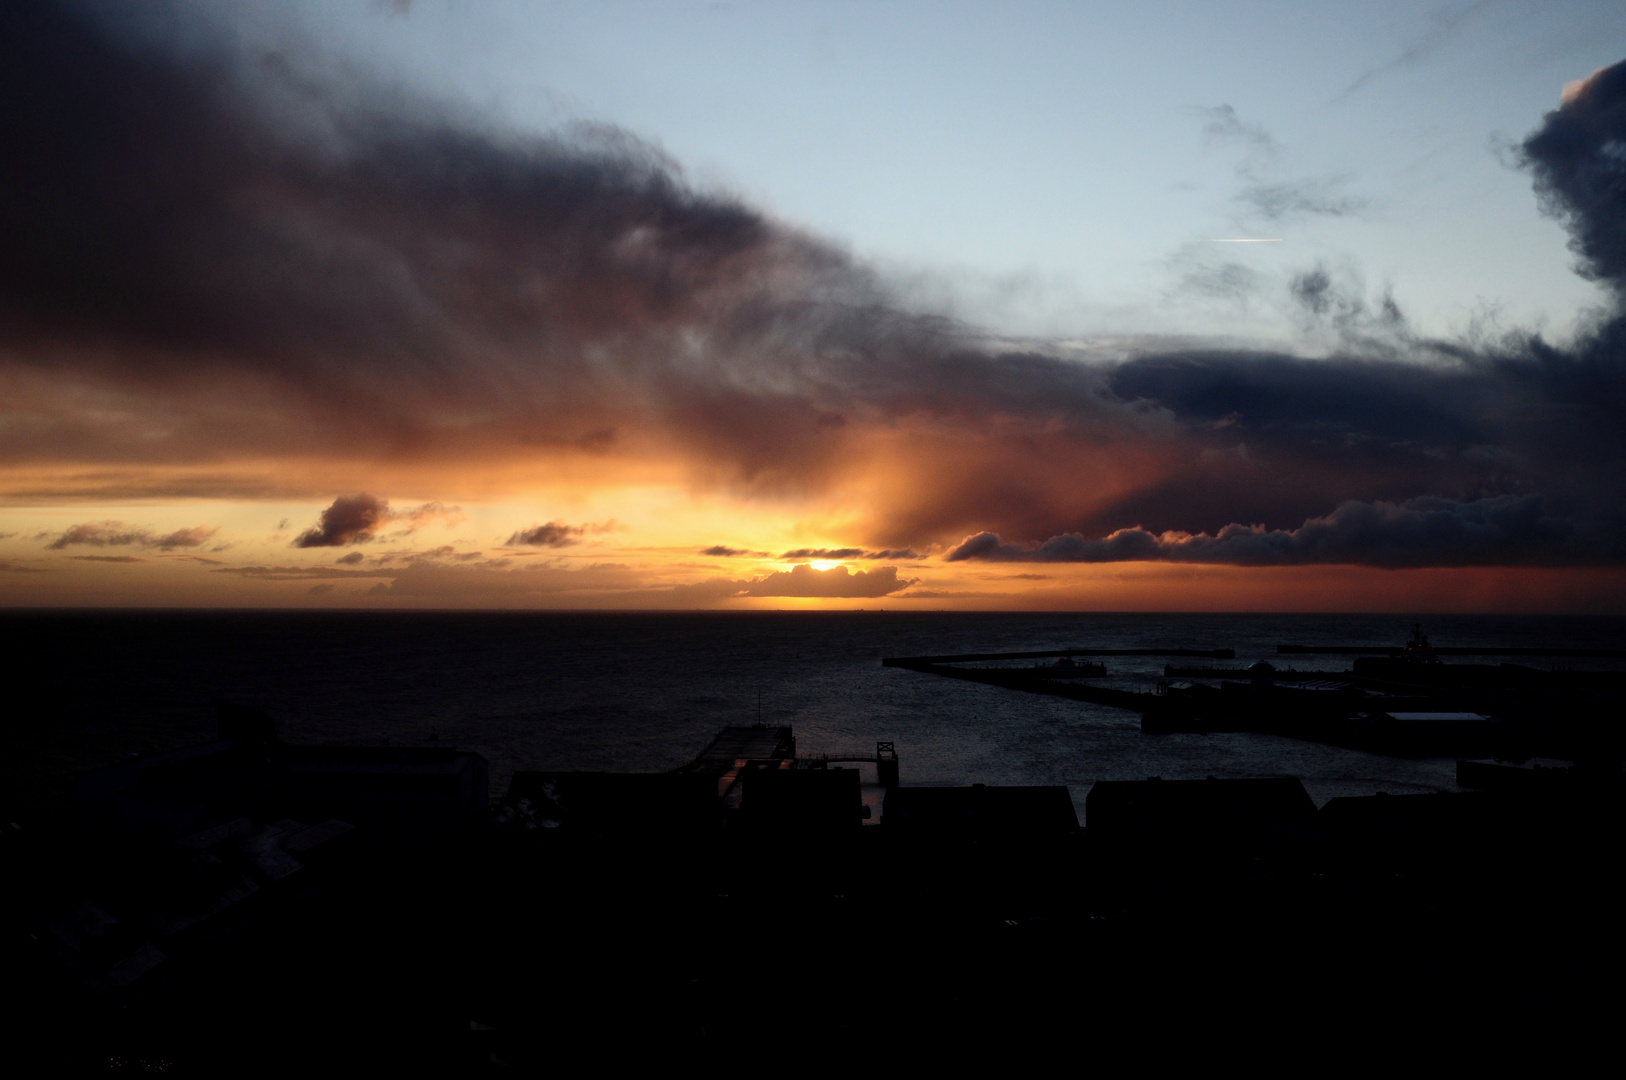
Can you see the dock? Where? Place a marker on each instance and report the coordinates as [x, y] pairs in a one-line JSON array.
[[966, 658], [1040, 681], [1391, 700], [737, 746], [1448, 650]]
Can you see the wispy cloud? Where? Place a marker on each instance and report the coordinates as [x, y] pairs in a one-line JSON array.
[[1222, 125], [1269, 193], [1444, 26], [118, 534], [557, 534], [1287, 200]]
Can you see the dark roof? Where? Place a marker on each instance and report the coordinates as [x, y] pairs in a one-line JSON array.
[[802, 798], [1410, 816], [1200, 806], [949, 810]]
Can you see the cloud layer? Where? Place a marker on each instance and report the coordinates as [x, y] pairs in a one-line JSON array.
[[1421, 532], [218, 259]]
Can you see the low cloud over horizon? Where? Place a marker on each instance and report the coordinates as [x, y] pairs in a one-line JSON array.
[[118, 534], [804, 581], [1426, 532], [347, 286]]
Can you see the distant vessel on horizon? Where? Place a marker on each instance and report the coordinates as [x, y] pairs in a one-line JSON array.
[[1418, 650]]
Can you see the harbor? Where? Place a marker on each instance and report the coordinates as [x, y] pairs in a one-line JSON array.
[[486, 914], [1399, 700]]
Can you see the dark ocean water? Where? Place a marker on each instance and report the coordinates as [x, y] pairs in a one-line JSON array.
[[648, 691]]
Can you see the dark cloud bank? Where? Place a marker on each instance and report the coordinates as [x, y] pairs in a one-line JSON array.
[[277, 261], [1522, 442]]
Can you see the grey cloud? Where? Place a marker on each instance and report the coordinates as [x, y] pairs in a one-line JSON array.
[[1222, 124], [1275, 200], [350, 519], [1444, 26], [1231, 281], [100, 534], [118, 534], [358, 518], [554, 534], [1287, 200], [196, 536]]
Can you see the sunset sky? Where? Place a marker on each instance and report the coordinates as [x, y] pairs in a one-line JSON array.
[[886, 305]]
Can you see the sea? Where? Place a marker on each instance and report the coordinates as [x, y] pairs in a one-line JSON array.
[[647, 691]]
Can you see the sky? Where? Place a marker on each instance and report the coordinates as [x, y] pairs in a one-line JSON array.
[[1167, 306]]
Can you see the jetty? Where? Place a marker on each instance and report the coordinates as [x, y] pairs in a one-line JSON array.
[[1397, 700], [1448, 650], [1041, 680]]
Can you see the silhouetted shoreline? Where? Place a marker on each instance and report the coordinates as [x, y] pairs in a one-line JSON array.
[[252, 905]]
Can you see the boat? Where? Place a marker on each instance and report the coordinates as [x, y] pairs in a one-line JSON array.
[[1418, 650]]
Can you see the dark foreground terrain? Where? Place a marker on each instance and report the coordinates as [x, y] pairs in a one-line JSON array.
[[261, 909]]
